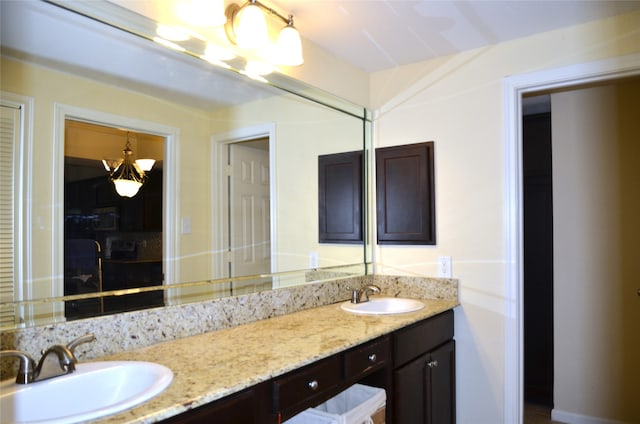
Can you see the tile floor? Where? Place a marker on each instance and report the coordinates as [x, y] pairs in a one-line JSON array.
[[536, 414]]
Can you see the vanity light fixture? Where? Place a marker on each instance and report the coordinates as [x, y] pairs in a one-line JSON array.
[[243, 31], [128, 175], [247, 28]]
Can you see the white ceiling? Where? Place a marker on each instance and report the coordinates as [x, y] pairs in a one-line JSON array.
[[380, 34]]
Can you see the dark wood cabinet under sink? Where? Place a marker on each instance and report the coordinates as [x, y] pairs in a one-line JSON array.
[[403, 363]]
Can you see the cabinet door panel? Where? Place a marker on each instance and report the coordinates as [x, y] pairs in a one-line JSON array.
[[409, 392], [422, 337], [405, 194], [441, 385]]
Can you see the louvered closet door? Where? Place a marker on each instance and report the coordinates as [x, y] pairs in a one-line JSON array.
[[9, 138]]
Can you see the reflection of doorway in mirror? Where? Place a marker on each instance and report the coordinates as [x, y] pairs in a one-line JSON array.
[[249, 216], [111, 242]]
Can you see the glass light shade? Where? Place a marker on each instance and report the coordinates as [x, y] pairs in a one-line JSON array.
[[251, 27], [145, 164], [127, 188], [289, 47], [111, 165]]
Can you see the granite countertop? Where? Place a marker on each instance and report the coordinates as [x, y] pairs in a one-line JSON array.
[[213, 365]]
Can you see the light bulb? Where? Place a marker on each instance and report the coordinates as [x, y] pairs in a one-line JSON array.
[[251, 27]]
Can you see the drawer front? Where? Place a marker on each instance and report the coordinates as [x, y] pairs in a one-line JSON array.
[[368, 357], [304, 385], [422, 337]]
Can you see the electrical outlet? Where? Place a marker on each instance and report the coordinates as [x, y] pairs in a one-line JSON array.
[[444, 266], [186, 225], [313, 260]]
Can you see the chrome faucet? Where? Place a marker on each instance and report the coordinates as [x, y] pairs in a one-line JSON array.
[[362, 295], [56, 360]]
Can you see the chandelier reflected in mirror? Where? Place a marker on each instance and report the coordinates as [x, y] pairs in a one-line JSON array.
[[126, 174]]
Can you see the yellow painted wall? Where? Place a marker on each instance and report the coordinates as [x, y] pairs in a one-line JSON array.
[[457, 102]]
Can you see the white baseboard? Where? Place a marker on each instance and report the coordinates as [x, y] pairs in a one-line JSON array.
[[573, 418]]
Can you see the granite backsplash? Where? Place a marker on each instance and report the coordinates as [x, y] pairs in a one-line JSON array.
[[133, 330]]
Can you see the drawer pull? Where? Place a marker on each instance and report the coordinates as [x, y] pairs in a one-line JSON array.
[[313, 385], [373, 357], [432, 364]]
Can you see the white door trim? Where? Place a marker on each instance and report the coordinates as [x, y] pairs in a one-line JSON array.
[[171, 173], [513, 89]]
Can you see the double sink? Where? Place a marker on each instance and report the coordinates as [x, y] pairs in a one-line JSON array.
[[98, 389]]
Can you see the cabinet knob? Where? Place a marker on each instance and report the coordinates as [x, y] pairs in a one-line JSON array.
[[432, 364], [313, 385], [372, 357]]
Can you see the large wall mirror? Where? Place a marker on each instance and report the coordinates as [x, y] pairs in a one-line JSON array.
[[229, 207]]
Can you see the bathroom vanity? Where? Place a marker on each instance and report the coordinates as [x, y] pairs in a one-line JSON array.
[[270, 370]]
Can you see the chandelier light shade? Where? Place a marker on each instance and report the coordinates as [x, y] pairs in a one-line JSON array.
[[128, 176]]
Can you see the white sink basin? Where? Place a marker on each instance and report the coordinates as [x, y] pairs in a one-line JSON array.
[[383, 306], [94, 390]]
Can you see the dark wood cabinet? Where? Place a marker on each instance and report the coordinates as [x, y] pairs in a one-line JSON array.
[[424, 374], [405, 198], [403, 363], [245, 407], [307, 386], [340, 198]]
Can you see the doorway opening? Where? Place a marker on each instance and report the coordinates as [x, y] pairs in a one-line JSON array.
[[249, 214], [111, 242], [515, 88], [538, 251]]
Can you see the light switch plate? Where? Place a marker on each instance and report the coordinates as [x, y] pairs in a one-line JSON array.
[[444, 266]]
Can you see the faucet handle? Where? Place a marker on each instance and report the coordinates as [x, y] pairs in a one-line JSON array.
[[27, 365], [73, 344], [355, 296]]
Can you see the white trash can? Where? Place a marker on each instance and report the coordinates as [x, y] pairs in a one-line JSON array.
[[359, 404]]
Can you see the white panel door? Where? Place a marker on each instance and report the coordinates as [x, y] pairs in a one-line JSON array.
[[250, 235]]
